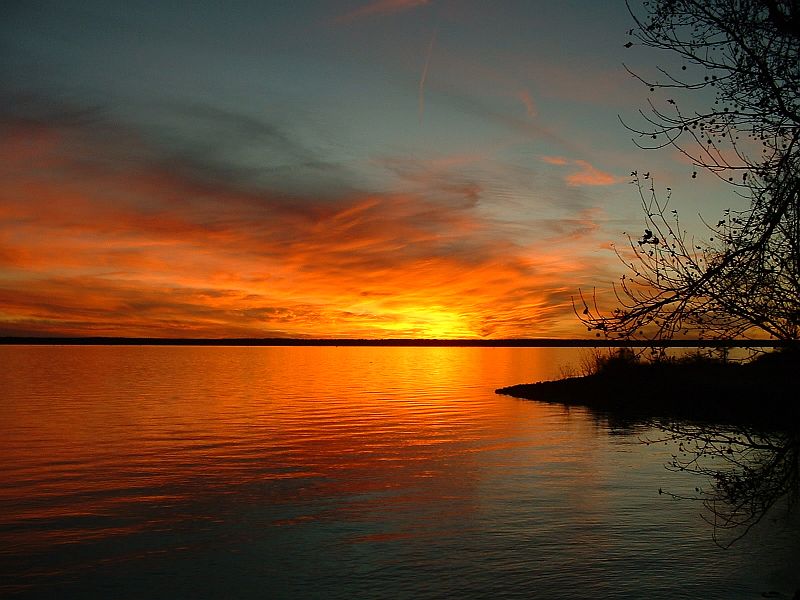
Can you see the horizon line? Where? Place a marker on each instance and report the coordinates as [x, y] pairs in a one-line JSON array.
[[390, 342]]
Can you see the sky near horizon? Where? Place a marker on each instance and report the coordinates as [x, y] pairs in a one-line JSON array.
[[359, 168]]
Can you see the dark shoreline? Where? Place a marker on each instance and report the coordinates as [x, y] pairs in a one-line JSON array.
[[402, 342], [758, 394]]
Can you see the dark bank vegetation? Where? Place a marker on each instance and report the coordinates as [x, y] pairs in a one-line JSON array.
[[701, 387]]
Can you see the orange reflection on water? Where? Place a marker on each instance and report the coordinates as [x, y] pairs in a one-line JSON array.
[[97, 433], [333, 466]]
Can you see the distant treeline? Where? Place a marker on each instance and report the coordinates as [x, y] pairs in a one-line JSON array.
[[511, 343]]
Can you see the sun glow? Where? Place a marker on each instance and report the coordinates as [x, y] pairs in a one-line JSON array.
[[433, 322], [140, 251]]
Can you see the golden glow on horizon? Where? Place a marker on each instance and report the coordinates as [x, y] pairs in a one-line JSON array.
[[94, 248], [432, 322]]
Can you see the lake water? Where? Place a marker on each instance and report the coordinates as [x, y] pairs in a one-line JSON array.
[[260, 472]]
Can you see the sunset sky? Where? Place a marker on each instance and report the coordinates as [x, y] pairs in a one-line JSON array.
[[353, 168]]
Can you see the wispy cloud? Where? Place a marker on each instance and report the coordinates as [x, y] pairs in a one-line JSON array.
[[524, 96], [583, 173], [424, 75], [590, 175], [555, 160], [379, 8], [133, 245]]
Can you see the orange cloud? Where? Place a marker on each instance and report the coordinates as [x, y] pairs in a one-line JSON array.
[[585, 175], [524, 96], [589, 175], [555, 160], [133, 248], [379, 8]]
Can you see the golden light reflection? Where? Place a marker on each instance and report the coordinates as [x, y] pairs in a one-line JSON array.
[[162, 426], [127, 450]]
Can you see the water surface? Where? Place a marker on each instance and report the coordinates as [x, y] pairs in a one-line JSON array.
[[303, 472]]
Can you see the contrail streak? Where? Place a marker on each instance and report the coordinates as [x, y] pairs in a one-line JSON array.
[[424, 75]]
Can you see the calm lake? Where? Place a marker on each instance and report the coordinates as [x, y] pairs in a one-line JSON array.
[[321, 472]]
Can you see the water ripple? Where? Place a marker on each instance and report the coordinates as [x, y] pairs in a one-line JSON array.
[[337, 473]]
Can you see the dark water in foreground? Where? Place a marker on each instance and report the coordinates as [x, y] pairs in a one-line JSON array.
[[212, 472]]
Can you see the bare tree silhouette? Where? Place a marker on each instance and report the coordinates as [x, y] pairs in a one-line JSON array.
[[741, 61], [731, 107]]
